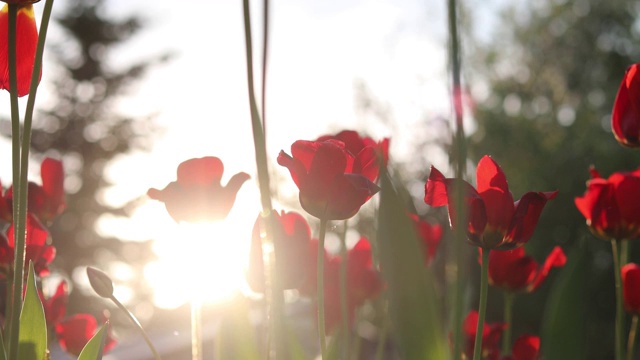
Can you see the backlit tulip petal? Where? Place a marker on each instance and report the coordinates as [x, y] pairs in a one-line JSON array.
[[631, 287], [625, 118], [26, 43], [526, 347], [514, 271], [492, 187]]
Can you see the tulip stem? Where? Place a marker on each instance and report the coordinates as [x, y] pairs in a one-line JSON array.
[[320, 295], [631, 343], [135, 321], [196, 329], [343, 290], [619, 309], [482, 307], [508, 315]]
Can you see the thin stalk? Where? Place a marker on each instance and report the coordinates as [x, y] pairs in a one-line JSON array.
[[265, 55], [320, 295], [460, 159], [508, 316], [619, 309], [631, 342], [344, 310], [135, 321], [624, 252], [196, 329], [384, 331], [484, 285], [19, 241]]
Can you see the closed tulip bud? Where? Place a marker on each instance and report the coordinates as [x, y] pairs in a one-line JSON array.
[[100, 282]]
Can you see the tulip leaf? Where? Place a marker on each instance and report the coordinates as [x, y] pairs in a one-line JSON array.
[[33, 327], [3, 353], [413, 305], [563, 328], [93, 349]]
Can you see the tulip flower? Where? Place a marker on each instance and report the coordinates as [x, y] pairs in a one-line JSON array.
[[26, 43], [197, 195], [55, 307], [74, 333], [514, 271], [625, 119], [495, 221], [430, 236], [38, 251], [490, 337], [526, 347], [333, 183], [291, 237], [354, 143], [631, 287], [610, 206]]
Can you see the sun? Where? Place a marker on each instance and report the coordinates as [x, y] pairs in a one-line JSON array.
[[202, 262]]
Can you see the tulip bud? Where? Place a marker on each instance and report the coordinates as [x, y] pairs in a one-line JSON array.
[[100, 282]]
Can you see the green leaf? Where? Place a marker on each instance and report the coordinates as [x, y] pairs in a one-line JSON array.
[[413, 304], [564, 325], [3, 353], [236, 338], [33, 327], [93, 349]]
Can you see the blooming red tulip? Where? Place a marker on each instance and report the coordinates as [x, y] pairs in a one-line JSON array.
[[631, 287], [197, 195], [291, 237], [514, 271], [625, 119], [495, 221], [20, 2], [526, 347], [26, 43], [491, 334], [55, 307], [430, 236], [354, 143], [333, 183], [38, 251], [610, 206], [74, 333]]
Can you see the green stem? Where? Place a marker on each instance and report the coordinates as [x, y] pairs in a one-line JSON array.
[[484, 285], [19, 241], [508, 314], [265, 55], [135, 321], [196, 329], [632, 337], [619, 309], [320, 295], [460, 159], [344, 310], [624, 252]]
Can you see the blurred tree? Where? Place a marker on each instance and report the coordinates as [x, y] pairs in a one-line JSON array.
[[545, 85], [83, 127]]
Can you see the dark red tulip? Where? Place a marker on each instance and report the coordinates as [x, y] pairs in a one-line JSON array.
[[197, 195], [514, 271], [495, 221], [625, 119], [526, 347], [26, 43], [631, 287], [611, 206], [429, 235], [74, 333], [332, 185], [354, 143], [491, 334], [291, 237], [38, 251]]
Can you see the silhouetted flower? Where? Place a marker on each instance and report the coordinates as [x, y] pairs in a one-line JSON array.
[[331, 187], [611, 206], [197, 195], [26, 43], [495, 221], [625, 119], [514, 271]]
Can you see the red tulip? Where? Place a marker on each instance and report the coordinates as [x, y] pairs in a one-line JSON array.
[[26, 43], [491, 334], [74, 333], [292, 237], [197, 195], [38, 251], [610, 206], [430, 236], [631, 287], [354, 143], [514, 271], [20, 2], [625, 119], [526, 347], [333, 183], [55, 307], [495, 221]]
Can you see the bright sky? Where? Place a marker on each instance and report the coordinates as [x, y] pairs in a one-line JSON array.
[[319, 51]]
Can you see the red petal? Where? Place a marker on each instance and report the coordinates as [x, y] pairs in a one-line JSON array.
[[511, 270], [627, 193], [367, 164], [493, 188], [26, 42], [625, 119], [526, 347], [74, 332], [202, 171], [631, 287], [435, 189], [525, 218], [556, 258]]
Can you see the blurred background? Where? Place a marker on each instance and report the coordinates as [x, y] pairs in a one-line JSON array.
[[132, 88]]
